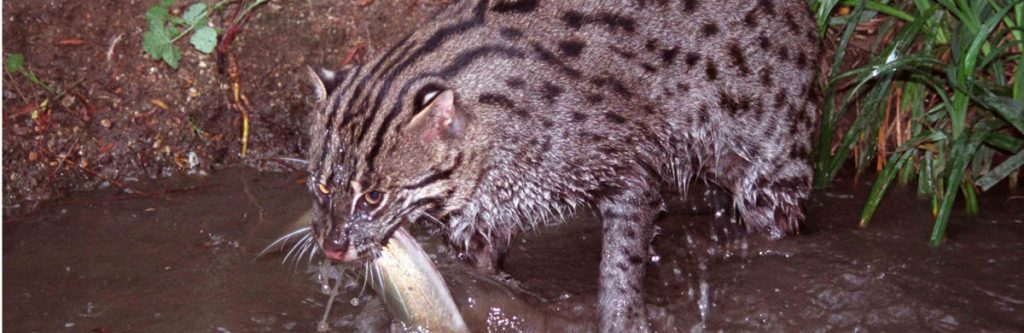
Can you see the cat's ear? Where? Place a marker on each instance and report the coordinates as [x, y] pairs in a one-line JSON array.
[[324, 81], [441, 117]]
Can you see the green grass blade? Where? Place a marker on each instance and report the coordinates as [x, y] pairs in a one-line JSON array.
[[955, 9], [865, 122], [823, 13], [825, 133], [1004, 142], [884, 9], [877, 78], [1010, 109], [982, 160], [896, 162], [1001, 171], [1018, 80], [980, 39], [963, 149], [970, 196], [931, 181], [823, 156]]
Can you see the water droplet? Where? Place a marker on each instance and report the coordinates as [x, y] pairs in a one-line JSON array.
[[703, 304]]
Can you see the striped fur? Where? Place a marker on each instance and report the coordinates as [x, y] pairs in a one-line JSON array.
[[499, 116]]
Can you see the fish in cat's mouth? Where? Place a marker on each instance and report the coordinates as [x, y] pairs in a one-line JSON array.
[[354, 242], [339, 247]]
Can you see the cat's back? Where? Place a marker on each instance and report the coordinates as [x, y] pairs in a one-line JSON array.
[[703, 80], [668, 58]]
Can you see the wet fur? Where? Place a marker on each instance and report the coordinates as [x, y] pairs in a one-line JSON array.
[[563, 105]]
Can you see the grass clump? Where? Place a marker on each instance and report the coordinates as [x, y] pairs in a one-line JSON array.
[[939, 97]]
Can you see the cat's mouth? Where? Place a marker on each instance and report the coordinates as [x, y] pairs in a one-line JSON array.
[[349, 252], [348, 255], [339, 251], [349, 248]]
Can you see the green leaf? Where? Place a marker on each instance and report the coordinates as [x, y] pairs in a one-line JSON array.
[[822, 176], [980, 39], [1000, 172], [157, 17], [15, 62], [823, 13], [154, 42], [204, 39], [963, 150], [158, 45], [896, 162], [1005, 142], [171, 55], [195, 15], [883, 8], [1011, 110]]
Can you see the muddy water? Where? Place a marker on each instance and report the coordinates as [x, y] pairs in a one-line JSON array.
[[181, 258]]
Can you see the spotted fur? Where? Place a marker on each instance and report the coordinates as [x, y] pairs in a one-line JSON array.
[[499, 116]]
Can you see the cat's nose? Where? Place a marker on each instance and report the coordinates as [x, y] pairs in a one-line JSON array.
[[335, 244], [334, 249]]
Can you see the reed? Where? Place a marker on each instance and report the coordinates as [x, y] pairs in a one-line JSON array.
[[937, 98]]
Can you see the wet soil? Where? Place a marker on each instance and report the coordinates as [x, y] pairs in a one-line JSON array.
[[125, 117], [180, 256]]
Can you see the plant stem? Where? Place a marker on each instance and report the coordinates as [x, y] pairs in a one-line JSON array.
[[248, 8], [206, 15], [883, 8]]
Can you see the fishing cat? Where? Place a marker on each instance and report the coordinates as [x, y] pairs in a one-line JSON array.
[[500, 115]]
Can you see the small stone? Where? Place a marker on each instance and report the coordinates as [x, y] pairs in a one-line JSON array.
[[33, 156], [105, 122], [67, 101]]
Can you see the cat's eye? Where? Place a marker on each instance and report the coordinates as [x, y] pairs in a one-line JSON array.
[[429, 96], [323, 188], [426, 94], [373, 197]]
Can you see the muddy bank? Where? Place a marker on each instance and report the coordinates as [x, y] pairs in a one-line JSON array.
[[181, 258], [124, 117]]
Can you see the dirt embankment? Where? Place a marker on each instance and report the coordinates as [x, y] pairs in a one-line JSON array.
[[118, 116]]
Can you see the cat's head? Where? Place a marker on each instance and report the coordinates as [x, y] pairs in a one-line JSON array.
[[381, 157]]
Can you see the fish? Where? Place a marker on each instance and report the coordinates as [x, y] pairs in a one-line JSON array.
[[412, 288]]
